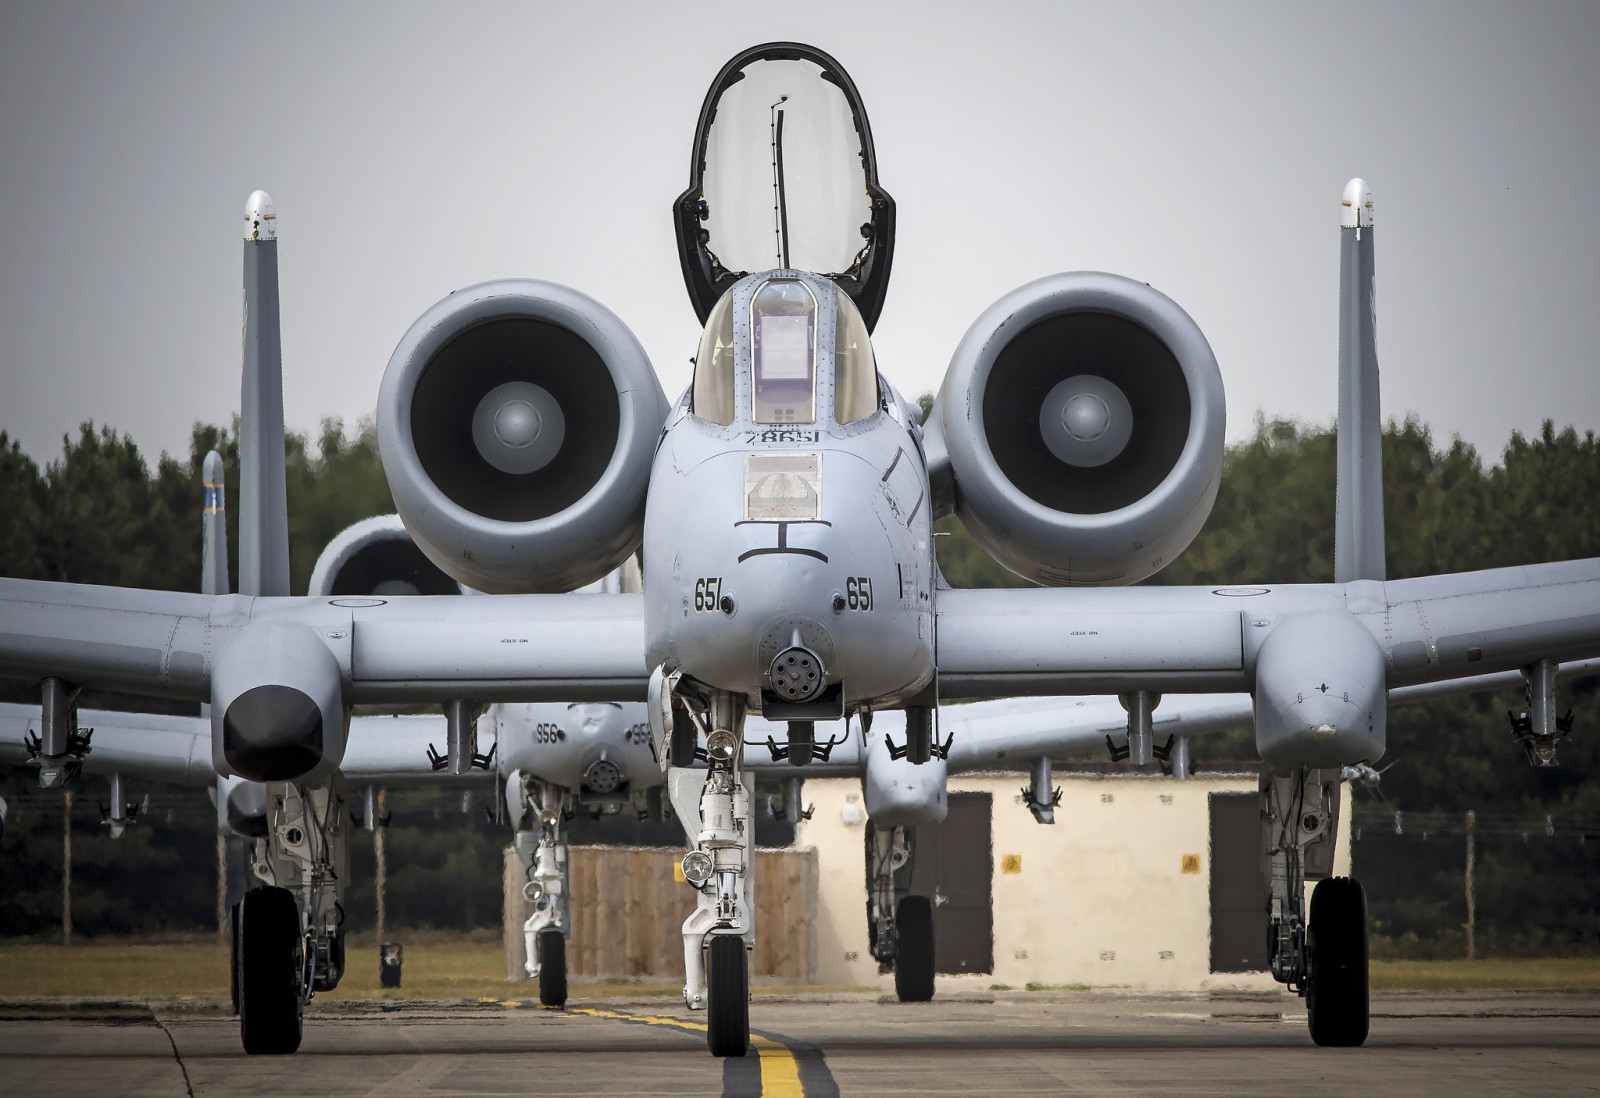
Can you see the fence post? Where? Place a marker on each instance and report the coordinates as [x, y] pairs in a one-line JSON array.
[[1472, 909], [382, 868], [66, 871]]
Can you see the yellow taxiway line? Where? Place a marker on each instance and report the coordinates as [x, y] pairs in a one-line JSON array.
[[780, 1071]]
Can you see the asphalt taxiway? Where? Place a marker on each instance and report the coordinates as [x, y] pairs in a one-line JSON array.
[[1015, 1043]]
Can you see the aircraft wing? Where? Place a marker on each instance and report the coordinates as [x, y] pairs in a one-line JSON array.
[[406, 649], [991, 734], [153, 746], [381, 750], [995, 643]]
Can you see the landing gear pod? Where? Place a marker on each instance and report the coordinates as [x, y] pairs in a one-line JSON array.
[[784, 176], [517, 422], [1320, 698], [1083, 415], [900, 792], [277, 704]]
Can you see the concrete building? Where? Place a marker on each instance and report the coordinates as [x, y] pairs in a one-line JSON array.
[[1143, 881]]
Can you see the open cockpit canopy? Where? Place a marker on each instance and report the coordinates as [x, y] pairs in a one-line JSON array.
[[783, 176]]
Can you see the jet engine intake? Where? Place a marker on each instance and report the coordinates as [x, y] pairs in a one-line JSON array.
[[517, 421], [1083, 415], [377, 556]]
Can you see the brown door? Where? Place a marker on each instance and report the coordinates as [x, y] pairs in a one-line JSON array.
[[1238, 893], [954, 867]]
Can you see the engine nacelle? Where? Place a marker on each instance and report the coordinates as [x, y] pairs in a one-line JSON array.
[[377, 556], [1083, 415], [517, 423], [277, 704]]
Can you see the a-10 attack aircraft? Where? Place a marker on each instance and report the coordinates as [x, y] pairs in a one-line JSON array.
[[783, 507], [551, 761]]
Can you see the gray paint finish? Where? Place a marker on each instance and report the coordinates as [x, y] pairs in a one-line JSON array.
[[1358, 522], [263, 506]]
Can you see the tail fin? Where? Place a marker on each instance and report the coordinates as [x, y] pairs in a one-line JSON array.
[[1358, 522], [263, 506]]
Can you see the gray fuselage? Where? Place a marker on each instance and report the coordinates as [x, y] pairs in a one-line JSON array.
[[763, 536]]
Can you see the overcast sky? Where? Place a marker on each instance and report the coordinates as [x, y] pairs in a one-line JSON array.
[[416, 148]]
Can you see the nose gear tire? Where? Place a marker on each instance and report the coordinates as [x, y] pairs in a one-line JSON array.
[[728, 1008], [552, 947]]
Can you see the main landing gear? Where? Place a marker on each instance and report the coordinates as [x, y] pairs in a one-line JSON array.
[[1323, 958], [541, 843], [289, 931], [900, 925], [714, 806]]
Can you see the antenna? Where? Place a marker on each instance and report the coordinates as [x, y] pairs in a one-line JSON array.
[[780, 201]]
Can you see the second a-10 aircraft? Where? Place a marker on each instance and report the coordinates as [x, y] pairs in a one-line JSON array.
[[782, 507]]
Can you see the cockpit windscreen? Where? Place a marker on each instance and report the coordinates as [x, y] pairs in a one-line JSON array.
[[783, 352]]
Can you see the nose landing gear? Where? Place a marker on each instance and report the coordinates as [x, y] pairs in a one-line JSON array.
[[714, 806], [541, 844]]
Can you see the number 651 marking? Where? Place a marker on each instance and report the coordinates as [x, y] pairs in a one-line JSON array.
[[707, 592], [858, 593]]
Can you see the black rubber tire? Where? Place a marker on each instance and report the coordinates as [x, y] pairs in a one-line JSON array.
[[233, 956], [913, 949], [269, 972], [1336, 939], [728, 996], [802, 738], [919, 734], [552, 947]]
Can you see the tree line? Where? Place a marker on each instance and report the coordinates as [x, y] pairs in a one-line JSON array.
[[101, 514]]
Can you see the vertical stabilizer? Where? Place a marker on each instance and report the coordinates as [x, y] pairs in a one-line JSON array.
[[214, 546], [263, 507], [1358, 522]]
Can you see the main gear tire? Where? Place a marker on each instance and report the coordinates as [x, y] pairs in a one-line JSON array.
[[913, 949], [233, 955], [1337, 1005], [270, 1004]]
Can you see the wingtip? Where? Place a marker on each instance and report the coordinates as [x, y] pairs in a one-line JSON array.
[[260, 217], [1355, 208]]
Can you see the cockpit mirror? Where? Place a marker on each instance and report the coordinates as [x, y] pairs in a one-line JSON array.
[[784, 176]]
